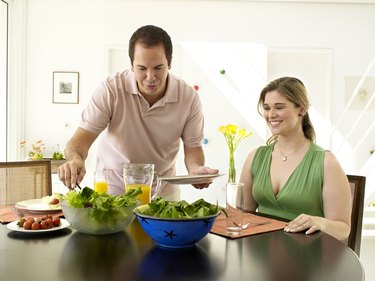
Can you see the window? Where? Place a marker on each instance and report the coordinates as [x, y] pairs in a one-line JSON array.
[[4, 9]]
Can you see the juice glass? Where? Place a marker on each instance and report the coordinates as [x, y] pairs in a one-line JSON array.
[[101, 181]]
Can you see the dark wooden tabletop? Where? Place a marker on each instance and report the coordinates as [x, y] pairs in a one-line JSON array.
[[130, 255]]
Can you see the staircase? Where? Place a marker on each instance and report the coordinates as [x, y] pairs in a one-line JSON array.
[[353, 133]]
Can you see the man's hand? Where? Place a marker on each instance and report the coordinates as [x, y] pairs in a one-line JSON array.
[[199, 170], [71, 173]]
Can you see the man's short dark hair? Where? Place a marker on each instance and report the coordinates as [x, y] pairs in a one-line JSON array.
[[150, 35]]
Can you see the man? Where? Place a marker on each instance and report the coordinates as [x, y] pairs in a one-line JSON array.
[[143, 113]]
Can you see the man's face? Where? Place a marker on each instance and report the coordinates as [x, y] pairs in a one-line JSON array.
[[151, 68]]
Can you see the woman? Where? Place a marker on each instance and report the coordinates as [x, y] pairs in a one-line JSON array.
[[292, 177]]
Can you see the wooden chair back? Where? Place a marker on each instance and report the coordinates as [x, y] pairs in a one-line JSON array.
[[357, 187], [23, 180]]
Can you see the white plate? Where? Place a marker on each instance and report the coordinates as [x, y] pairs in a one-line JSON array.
[[13, 226], [36, 205], [195, 179]]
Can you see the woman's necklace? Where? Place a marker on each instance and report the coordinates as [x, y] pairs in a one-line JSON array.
[[285, 157]]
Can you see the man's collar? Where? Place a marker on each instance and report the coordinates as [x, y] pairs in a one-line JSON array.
[[170, 94]]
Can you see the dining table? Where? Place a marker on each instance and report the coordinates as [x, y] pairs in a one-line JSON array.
[[66, 254]]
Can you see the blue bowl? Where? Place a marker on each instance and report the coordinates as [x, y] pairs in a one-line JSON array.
[[175, 233]]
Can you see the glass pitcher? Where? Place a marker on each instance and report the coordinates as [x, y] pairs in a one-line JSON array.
[[141, 175]]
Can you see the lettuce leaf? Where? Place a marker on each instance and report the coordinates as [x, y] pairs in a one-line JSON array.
[[179, 209], [105, 207]]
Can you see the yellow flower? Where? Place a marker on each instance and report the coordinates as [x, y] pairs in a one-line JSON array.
[[233, 136]]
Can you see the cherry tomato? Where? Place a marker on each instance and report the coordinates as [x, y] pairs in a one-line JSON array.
[[54, 201], [21, 222], [44, 224], [27, 224], [35, 226], [56, 221], [50, 224]]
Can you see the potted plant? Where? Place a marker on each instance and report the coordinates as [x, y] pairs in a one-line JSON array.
[[58, 154], [37, 153], [37, 150]]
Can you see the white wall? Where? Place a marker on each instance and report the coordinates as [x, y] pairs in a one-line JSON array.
[[74, 36]]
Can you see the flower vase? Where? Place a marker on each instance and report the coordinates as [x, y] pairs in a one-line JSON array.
[[232, 168]]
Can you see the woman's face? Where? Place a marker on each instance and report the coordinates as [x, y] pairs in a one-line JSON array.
[[281, 115]]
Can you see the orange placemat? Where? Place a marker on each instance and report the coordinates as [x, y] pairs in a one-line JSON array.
[[8, 215], [256, 225]]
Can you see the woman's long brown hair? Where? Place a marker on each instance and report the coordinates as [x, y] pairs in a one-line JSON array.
[[294, 90]]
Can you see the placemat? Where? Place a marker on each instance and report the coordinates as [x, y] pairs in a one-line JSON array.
[[8, 215], [257, 224]]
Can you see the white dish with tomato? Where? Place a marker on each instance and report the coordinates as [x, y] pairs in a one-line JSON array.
[[46, 204], [36, 225]]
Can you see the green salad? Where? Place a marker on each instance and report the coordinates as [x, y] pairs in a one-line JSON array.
[[179, 209], [105, 207], [88, 198]]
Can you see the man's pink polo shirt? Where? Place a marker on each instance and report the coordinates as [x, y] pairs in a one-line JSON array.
[[137, 133]]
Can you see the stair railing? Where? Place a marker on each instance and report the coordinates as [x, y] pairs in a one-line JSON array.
[[346, 109]]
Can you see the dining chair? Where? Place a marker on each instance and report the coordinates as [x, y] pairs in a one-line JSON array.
[[23, 180], [357, 188]]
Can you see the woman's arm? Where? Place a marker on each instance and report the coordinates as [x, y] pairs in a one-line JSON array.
[[336, 202], [336, 198]]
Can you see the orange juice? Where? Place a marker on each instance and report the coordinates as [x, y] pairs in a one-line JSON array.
[[101, 186], [145, 196]]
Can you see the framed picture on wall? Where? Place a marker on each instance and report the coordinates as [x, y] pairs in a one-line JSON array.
[[65, 87]]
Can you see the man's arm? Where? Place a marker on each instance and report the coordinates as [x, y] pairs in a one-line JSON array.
[[194, 162], [76, 151], [194, 158]]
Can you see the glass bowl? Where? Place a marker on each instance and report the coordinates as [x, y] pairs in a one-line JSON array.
[[95, 221]]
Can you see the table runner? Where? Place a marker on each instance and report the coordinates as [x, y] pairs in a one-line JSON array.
[[7, 215], [219, 226]]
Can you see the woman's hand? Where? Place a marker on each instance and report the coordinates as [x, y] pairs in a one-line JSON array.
[[305, 222]]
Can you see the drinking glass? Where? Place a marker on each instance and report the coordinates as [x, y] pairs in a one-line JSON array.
[[101, 181], [234, 208]]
